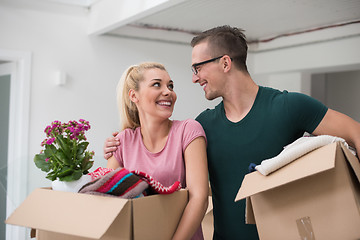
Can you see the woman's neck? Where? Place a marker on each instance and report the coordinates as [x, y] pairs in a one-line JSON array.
[[155, 134]]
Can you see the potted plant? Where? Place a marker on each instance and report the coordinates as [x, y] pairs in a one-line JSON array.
[[64, 156]]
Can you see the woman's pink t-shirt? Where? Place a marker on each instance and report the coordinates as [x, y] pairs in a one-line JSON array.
[[166, 166]]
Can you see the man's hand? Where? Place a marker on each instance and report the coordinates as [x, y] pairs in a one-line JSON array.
[[110, 146]]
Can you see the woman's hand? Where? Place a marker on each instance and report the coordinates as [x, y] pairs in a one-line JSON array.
[[110, 146]]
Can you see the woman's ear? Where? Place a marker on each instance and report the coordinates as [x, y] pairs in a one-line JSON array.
[[133, 96]]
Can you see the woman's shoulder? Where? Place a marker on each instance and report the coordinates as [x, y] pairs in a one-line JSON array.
[[187, 123], [127, 133]]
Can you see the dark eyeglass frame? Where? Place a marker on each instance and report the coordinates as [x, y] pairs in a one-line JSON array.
[[195, 65]]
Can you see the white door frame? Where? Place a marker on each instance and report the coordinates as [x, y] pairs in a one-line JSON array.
[[18, 145]]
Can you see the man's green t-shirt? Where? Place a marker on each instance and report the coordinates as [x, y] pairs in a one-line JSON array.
[[275, 120]]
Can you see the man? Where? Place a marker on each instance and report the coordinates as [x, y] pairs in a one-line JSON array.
[[252, 123]]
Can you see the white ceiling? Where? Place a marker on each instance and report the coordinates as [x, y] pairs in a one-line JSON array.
[[261, 19], [180, 19]]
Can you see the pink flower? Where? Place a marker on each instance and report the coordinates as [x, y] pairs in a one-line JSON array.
[[47, 130], [50, 141]]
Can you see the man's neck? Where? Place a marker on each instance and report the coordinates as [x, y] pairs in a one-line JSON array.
[[240, 98]]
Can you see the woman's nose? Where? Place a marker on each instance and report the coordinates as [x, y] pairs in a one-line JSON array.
[[166, 91]]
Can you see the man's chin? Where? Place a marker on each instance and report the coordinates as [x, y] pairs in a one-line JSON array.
[[210, 97]]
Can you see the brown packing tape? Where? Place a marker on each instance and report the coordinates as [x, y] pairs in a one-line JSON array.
[[305, 228], [33, 233]]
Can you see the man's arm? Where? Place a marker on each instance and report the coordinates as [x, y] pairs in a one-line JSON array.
[[340, 125]]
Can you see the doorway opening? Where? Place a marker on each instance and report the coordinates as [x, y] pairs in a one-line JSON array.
[[16, 67], [5, 78]]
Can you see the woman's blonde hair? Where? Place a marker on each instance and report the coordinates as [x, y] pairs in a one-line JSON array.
[[130, 79]]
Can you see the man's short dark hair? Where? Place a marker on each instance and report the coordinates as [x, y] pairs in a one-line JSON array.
[[225, 40]]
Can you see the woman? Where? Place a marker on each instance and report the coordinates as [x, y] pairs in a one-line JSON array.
[[168, 150]]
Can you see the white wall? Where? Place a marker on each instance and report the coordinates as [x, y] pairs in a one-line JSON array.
[[59, 41], [339, 91], [93, 66], [328, 70], [288, 63]]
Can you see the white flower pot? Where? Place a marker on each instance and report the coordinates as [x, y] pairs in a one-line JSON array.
[[73, 186]]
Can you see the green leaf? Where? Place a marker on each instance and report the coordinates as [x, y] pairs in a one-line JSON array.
[[65, 171], [81, 148], [52, 176], [88, 166], [40, 162], [63, 158], [84, 161], [76, 175], [64, 145], [49, 150], [78, 160]]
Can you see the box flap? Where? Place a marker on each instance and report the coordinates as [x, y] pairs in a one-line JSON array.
[[210, 205], [249, 212], [317, 161], [354, 162], [70, 213]]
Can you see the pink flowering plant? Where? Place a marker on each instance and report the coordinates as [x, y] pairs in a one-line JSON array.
[[64, 155]]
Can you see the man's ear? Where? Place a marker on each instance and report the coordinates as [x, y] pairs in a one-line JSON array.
[[133, 96], [227, 63]]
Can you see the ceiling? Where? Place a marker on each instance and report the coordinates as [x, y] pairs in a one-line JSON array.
[[178, 21], [261, 19]]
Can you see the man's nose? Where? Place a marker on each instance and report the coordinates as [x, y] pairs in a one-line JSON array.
[[195, 78]]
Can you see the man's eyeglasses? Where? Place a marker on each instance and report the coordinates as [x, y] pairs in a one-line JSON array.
[[195, 66]]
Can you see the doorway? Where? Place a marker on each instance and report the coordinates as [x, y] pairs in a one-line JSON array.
[[338, 91], [5, 77], [15, 92]]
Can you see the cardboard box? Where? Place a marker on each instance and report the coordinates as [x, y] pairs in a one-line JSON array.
[[73, 216], [315, 197], [208, 222]]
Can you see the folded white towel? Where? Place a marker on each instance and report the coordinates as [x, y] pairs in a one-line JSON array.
[[295, 150]]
